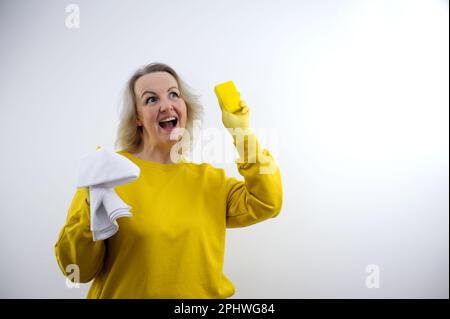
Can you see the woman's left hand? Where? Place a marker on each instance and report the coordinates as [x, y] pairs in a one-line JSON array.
[[238, 119]]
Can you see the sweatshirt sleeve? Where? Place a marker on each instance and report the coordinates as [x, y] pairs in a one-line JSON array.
[[260, 196], [75, 244]]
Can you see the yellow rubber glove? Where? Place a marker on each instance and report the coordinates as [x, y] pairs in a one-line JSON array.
[[236, 119], [235, 112]]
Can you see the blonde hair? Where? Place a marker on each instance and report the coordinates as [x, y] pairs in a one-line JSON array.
[[129, 134]]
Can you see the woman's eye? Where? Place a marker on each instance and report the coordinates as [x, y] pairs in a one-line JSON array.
[[151, 97]]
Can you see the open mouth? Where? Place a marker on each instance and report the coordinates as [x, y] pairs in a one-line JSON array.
[[169, 123]]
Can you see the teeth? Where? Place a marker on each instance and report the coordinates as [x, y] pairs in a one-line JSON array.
[[169, 119]]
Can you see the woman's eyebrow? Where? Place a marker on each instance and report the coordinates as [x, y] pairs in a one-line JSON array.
[[173, 87]]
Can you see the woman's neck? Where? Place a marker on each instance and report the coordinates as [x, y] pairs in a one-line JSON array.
[[155, 154]]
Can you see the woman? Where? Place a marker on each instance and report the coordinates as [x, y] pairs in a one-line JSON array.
[[173, 245]]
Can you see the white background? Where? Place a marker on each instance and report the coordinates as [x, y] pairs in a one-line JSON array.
[[357, 91]]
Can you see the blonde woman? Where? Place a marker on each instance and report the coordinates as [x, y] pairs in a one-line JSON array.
[[173, 245]]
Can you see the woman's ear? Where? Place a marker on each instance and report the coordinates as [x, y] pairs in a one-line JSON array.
[[138, 121]]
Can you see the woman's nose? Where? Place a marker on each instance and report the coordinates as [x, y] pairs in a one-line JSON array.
[[166, 105]]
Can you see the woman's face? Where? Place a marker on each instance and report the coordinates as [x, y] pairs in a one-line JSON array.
[[160, 107]]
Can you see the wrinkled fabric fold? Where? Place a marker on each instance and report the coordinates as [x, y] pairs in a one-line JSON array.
[[101, 171]]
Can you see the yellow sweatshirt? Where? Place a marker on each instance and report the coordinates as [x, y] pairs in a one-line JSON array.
[[173, 245]]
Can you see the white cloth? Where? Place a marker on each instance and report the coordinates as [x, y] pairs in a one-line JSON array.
[[102, 170]]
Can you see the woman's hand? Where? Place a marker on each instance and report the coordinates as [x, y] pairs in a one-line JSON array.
[[238, 119]]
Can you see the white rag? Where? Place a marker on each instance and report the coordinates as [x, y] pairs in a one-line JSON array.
[[101, 171]]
